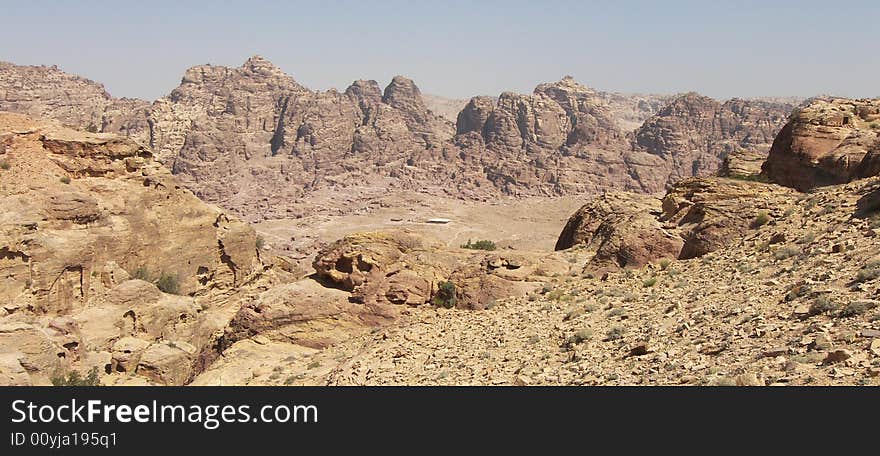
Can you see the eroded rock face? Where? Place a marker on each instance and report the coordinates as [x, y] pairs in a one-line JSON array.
[[826, 142], [623, 229], [571, 141], [401, 268], [83, 214], [694, 134], [710, 213], [251, 137], [305, 313], [48, 92], [697, 216], [254, 141]]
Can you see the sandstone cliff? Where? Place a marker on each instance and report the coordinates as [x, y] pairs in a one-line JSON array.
[[86, 239], [256, 142], [827, 142], [48, 92]]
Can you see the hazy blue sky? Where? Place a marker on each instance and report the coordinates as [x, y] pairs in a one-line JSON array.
[[460, 48]]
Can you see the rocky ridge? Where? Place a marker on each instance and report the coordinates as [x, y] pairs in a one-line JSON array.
[[48, 92], [256, 142]]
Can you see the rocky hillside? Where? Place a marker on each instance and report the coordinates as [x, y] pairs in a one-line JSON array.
[[694, 134], [785, 294], [256, 142], [111, 266], [48, 92], [93, 275]]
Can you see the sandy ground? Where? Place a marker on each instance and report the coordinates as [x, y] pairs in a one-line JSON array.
[[525, 224]]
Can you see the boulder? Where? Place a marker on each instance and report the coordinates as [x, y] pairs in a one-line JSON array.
[[829, 141]]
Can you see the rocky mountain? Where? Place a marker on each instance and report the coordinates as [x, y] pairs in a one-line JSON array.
[[256, 142], [48, 92], [251, 137], [112, 265], [694, 134]]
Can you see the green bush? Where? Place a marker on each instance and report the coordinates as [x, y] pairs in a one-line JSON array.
[[260, 243], [142, 273], [65, 180], [482, 244], [556, 295], [650, 282], [762, 219], [868, 272], [168, 283], [580, 336], [74, 378], [615, 333], [856, 308], [446, 295], [786, 252], [4, 164], [823, 304]]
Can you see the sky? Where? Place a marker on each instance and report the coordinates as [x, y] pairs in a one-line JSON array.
[[460, 49]]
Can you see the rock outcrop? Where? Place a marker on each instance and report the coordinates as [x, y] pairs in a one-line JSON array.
[[827, 142], [697, 216], [694, 134], [623, 229], [48, 92], [251, 137], [86, 243], [109, 264], [401, 268]]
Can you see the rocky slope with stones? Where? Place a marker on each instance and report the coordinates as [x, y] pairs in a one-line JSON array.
[[791, 300], [108, 263]]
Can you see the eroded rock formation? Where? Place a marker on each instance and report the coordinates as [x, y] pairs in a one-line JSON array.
[[254, 141], [827, 142], [697, 216]]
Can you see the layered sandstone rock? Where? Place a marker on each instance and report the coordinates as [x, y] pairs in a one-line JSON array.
[[48, 92], [398, 267], [623, 229], [697, 216], [85, 213], [694, 134], [111, 265], [252, 139], [826, 142], [711, 213]]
